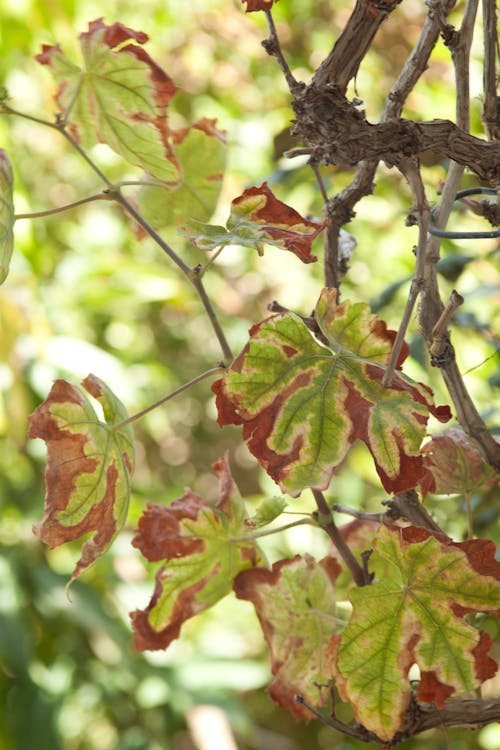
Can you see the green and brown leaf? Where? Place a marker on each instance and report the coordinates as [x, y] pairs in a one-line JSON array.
[[89, 465], [258, 218], [200, 151], [296, 606], [454, 465], [414, 614], [119, 97], [302, 404], [204, 547]]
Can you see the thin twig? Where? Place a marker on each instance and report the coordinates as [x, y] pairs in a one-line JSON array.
[[325, 520], [409, 167], [361, 515], [60, 125], [440, 330], [6, 109], [161, 401], [104, 196], [417, 61], [273, 47], [359, 733]]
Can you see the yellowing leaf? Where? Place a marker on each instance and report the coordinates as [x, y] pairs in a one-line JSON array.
[[119, 97], [414, 614], [258, 218], [6, 214], [204, 547], [296, 607], [89, 464], [200, 151], [454, 465], [302, 403]]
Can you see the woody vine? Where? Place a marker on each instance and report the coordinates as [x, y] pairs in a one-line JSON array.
[[304, 388]]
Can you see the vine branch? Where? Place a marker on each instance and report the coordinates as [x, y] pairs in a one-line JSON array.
[[325, 520]]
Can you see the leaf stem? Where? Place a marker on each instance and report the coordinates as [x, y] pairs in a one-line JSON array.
[[325, 520], [8, 110], [61, 127], [258, 534], [50, 211], [171, 395]]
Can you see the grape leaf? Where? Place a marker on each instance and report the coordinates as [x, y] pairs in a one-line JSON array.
[[258, 218], [454, 465], [302, 403], [6, 214], [204, 547], [200, 150], [253, 5], [269, 509], [296, 607], [89, 464], [119, 97], [414, 614]]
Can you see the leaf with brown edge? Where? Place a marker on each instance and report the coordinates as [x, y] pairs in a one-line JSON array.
[[204, 547], [413, 613], [89, 465], [253, 5], [258, 218], [200, 151], [6, 214], [454, 465], [302, 403], [119, 96], [296, 606]]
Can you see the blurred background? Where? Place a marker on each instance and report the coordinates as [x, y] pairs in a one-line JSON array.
[[84, 295]]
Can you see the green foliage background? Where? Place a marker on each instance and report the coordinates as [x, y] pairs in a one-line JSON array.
[[85, 296]]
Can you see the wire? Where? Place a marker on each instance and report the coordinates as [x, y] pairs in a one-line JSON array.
[[467, 235]]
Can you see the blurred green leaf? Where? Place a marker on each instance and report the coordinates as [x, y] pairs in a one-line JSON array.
[[6, 214]]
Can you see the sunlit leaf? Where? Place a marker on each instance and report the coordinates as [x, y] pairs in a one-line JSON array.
[[119, 97], [200, 151], [296, 606], [204, 547], [303, 404], [89, 464], [258, 218], [414, 614], [6, 214], [454, 465]]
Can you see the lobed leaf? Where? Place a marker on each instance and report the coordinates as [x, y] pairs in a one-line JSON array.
[[6, 214], [258, 218], [414, 614], [119, 97], [302, 404], [200, 151], [89, 465], [296, 606], [204, 547], [454, 465]]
